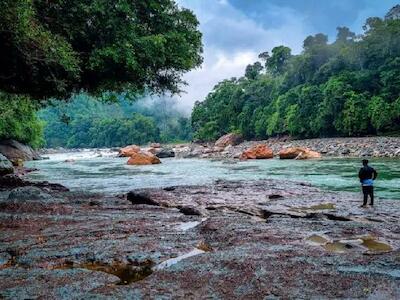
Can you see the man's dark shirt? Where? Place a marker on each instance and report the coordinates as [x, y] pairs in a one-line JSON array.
[[367, 172]]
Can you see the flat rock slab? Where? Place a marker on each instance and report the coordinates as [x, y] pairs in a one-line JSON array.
[[253, 240]]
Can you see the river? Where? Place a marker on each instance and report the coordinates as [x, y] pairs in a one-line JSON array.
[[109, 174]]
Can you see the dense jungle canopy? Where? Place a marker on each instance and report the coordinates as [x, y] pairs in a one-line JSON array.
[[349, 87], [55, 49]]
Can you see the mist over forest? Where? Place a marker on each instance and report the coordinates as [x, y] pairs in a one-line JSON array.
[[85, 122]]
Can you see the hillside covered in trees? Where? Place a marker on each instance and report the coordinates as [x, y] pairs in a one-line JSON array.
[[350, 87], [86, 122]]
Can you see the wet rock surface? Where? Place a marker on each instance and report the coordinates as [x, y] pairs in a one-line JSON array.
[[6, 166], [15, 151], [254, 240]]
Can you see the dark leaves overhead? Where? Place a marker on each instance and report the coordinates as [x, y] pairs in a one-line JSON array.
[[53, 48]]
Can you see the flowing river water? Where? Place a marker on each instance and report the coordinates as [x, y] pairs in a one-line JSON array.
[[107, 173]]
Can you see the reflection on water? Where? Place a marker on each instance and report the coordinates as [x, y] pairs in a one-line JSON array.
[[112, 175]]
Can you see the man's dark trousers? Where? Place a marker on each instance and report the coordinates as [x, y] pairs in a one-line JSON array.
[[368, 191]]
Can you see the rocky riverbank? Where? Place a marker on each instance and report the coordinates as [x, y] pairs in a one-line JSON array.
[[227, 240], [328, 147]]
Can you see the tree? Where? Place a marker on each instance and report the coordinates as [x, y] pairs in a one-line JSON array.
[[18, 120], [350, 87], [317, 40], [55, 48], [354, 119], [380, 113], [277, 63], [344, 35], [253, 71]]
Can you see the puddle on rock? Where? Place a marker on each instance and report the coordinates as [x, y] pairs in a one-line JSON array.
[[317, 239], [127, 273], [189, 225], [322, 206], [337, 247], [374, 246], [172, 261]]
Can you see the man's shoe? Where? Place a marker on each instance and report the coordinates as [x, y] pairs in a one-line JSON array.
[[363, 206]]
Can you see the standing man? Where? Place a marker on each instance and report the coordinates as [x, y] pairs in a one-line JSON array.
[[367, 176]]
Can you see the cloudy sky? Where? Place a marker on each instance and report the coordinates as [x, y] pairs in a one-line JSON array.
[[236, 31]]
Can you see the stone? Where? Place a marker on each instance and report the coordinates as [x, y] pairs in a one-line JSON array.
[[260, 151], [229, 139], [165, 153], [143, 158], [218, 149], [128, 151], [182, 152], [298, 153], [346, 151], [6, 166], [140, 198], [190, 211], [92, 251], [14, 151], [13, 180], [26, 193], [155, 145]]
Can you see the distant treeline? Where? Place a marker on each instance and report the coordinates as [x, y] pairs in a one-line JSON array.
[[87, 122], [350, 87]]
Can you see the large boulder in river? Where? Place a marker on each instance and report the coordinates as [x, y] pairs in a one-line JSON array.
[[143, 158], [229, 139], [6, 166], [15, 151], [128, 151], [298, 153], [260, 151]]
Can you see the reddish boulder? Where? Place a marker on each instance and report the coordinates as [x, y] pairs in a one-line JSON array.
[[229, 139], [298, 153], [143, 158], [260, 151], [128, 151]]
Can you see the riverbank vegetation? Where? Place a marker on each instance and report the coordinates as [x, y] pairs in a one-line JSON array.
[[350, 87]]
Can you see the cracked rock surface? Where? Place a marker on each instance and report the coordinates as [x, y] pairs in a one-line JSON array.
[[246, 240]]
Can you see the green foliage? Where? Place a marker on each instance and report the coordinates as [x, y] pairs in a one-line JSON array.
[[348, 88], [86, 122], [55, 48], [277, 63], [18, 120]]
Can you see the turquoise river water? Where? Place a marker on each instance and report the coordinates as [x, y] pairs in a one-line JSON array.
[[109, 174]]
